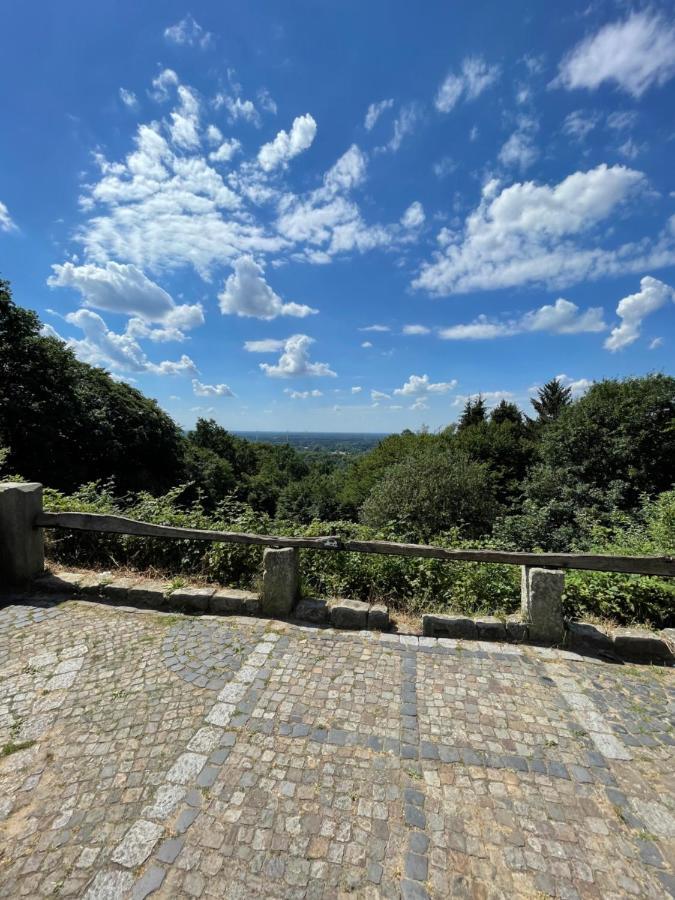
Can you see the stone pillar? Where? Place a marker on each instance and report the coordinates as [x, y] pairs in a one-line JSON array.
[[541, 603], [281, 581], [22, 555]]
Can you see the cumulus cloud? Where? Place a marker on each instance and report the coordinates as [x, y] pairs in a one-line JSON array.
[[420, 386], [246, 293], [491, 398], [376, 328], [102, 347], [210, 390], [635, 54], [128, 98], [413, 217], [415, 329], [374, 112], [185, 120], [6, 223], [287, 145], [357, 389], [562, 317], [378, 396], [367, 345], [578, 386], [166, 79], [653, 294], [123, 288], [474, 77], [225, 151], [188, 32], [294, 362], [302, 395], [531, 233]]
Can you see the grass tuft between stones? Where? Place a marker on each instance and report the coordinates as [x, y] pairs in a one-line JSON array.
[[12, 747]]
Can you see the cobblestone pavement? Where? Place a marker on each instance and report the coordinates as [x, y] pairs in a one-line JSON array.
[[146, 752]]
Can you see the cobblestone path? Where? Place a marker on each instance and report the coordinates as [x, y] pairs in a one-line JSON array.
[[146, 753]]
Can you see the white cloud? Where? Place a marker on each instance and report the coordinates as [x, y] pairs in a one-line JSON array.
[[630, 149], [374, 112], [267, 345], [102, 347], [420, 386], [285, 146], [295, 362], [6, 223], [563, 317], [185, 120], [123, 288], [166, 79], [246, 293], [128, 98], [302, 395], [635, 54], [529, 233], [210, 390], [491, 398], [656, 343], [653, 294], [475, 77], [404, 124], [620, 121], [225, 151], [519, 150], [379, 396], [376, 328], [214, 135], [188, 32], [357, 389], [416, 329], [366, 345], [580, 123], [238, 109], [444, 166], [578, 386], [419, 404], [413, 217]]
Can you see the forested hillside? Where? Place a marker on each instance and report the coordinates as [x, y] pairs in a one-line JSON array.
[[591, 473]]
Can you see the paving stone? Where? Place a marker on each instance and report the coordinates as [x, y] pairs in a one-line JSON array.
[[584, 636], [228, 601], [634, 643], [349, 764], [315, 610], [449, 626], [491, 628], [378, 617], [192, 598], [351, 614]]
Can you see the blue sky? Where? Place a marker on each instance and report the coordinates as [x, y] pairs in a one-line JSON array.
[[342, 216]]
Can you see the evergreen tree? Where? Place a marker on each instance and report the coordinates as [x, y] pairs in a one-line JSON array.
[[474, 412], [550, 401], [506, 412]]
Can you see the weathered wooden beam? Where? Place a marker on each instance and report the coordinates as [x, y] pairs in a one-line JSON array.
[[109, 524]]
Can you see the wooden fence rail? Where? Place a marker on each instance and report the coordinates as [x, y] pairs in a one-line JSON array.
[[108, 524]]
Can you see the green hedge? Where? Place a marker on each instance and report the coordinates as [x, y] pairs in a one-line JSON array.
[[413, 585]]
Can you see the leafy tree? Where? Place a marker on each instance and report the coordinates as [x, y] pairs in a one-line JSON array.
[[433, 490], [474, 412], [506, 445], [550, 401], [67, 423]]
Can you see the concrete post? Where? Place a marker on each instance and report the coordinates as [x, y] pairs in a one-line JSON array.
[[22, 556], [541, 603], [281, 581]]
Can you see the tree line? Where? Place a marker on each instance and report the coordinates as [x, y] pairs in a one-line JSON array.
[[551, 480]]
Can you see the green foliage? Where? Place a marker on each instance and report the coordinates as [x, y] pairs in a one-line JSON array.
[[432, 490], [551, 400], [92, 426], [474, 413]]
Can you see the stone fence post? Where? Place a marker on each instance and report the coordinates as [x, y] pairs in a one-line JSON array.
[[22, 556], [541, 603], [281, 581]]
